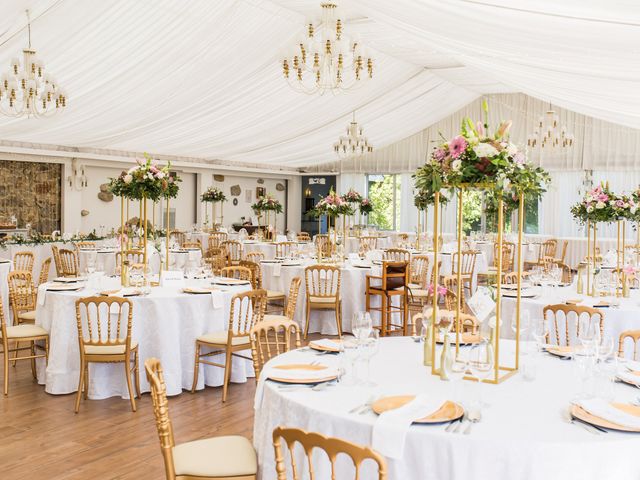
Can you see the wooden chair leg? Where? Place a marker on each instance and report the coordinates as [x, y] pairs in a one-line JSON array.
[[33, 360], [307, 318], [136, 373], [5, 364], [17, 351], [127, 372], [339, 318], [196, 368], [405, 312], [80, 384], [383, 316], [227, 373], [86, 381]]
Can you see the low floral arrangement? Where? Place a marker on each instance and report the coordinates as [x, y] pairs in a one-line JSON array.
[[213, 194], [36, 238], [602, 205], [423, 199], [146, 179], [333, 205], [366, 207], [267, 203], [474, 157], [352, 197]]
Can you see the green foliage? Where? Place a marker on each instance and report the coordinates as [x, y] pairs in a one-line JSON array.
[[381, 195]]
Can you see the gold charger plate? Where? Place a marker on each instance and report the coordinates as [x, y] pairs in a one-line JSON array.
[[448, 412], [573, 301], [231, 281], [198, 291], [303, 366], [465, 339], [322, 348], [624, 380], [64, 288], [560, 351], [581, 414]]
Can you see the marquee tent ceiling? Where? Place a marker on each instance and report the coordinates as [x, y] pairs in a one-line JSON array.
[[202, 78]]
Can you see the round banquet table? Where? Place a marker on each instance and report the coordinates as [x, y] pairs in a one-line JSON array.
[[269, 248], [524, 433], [5, 268], [107, 258], [353, 244], [165, 324]]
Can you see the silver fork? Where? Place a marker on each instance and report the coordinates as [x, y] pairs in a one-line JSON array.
[[474, 417]]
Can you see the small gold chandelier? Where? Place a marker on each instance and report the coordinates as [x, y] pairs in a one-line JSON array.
[[354, 143], [325, 60], [26, 90], [548, 134]]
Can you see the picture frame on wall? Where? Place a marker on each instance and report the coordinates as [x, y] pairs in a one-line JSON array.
[[248, 196], [260, 192]]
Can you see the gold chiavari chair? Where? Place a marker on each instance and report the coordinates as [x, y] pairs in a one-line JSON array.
[[55, 251], [256, 273], [22, 296], [396, 255], [563, 255], [256, 257], [178, 236], [221, 458], [247, 309], [367, 244], [217, 258], [333, 448], [304, 237], [237, 272], [467, 264], [289, 310], [284, 249], [271, 338], [566, 319], [23, 261], [44, 271], [547, 249], [510, 278], [21, 333], [323, 293], [403, 238], [508, 255], [419, 271], [84, 244], [215, 239], [69, 263], [420, 295], [234, 251], [104, 336], [394, 282], [192, 245], [634, 336], [323, 243]]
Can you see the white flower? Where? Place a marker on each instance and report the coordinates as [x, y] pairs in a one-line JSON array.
[[485, 150], [150, 175], [456, 165], [600, 205], [589, 209], [128, 178], [132, 169], [512, 149], [633, 210]]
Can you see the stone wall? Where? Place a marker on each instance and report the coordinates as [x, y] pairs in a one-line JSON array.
[[32, 192]]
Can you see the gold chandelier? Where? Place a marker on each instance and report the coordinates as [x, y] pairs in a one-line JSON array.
[[354, 143], [325, 60], [26, 90], [548, 133]]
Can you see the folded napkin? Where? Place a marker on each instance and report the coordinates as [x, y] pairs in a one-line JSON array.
[[42, 293], [327, 343], [217, 299], [629, 377], [276, 269], [391, 427], [603, 409]]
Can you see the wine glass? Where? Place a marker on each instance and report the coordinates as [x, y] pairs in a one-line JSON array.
[[362, 325], [525, 324], [459, 368], [540, 333], [349, 349], [481, 365], [369, 348]]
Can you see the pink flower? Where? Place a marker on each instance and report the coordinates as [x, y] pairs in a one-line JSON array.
[[480, 129], [619, 203], [457, 146], [628, 269], [441, 290], [439, 154], [603, 197], [519, 158]]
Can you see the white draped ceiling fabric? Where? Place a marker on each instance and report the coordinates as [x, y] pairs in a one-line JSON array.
[[203, 79]]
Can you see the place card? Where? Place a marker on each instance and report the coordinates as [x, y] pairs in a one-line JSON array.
[[172, 278], [481, 303]]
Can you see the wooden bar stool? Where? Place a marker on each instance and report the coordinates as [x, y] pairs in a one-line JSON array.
[[394, 282]]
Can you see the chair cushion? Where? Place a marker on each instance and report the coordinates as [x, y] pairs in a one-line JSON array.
[[23, 331], [229, 456], [107, 349], [313, 299], [29, 316], [272, 294], [221, 338], [419, 292]]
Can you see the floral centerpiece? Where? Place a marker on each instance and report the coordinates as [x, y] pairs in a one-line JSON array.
[[366, 207], [146, 179], [423, 199], [602, 205], [333, 205], [213, 194], [352, 196], [267, 203]]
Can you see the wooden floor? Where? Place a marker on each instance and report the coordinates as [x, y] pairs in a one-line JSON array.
[[42, 438]]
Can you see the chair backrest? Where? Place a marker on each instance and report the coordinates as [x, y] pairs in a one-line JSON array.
[[284, 249], [366, 244], [292, 299], [44, 271], [420, 270], [131, 256], [466, 263], [510, 278], [304, 237], [234, 250], [55, 251], [397, 255], [178, 236], [333, 447], [256, 273], [563, 256], [23, 260], [395, 275], [255, 256], [247, 309], [323, 243], [195, 244], [508, 254], [569, 319], [85, 244], [237, 271], [22, 293], [104, 321], [69, 263], [269, 339], [215, 239], [155, 376], [548, 248], [322, 281], [634, 336]]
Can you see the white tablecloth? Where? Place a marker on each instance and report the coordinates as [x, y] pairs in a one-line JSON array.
[[523, 435], [530, 251], [446, 259], [107, 258], [166, 324]]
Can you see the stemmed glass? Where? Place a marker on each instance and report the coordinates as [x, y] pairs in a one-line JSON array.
[[349, 352], [481, 365], [525, 324], [459, 367], [369, 348], [362, 325]]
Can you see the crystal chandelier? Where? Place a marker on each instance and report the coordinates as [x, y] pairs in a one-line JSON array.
[[325, 60], [26, 90], [548, 134], [354, 143]]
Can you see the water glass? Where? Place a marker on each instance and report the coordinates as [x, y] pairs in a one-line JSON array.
[[369, 348], [349, 350], [362, 325], [481, 365]]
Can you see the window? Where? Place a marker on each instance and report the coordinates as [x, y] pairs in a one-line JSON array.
[[384, 193], [473, 214]]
